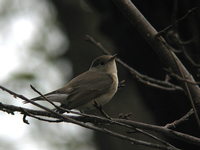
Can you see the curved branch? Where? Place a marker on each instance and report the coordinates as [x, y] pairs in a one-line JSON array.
[[97, 119], [149, 81], [66, 118], [164, 52]]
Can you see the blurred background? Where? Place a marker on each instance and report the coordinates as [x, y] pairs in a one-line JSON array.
[[42, 42]]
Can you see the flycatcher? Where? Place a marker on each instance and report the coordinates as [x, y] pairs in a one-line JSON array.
[[97, 85]]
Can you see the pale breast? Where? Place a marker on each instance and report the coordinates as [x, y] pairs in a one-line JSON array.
[[105, 98]]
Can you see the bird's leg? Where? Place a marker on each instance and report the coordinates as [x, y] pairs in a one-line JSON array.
[[121, 84], [125, 116], [61, 109], [99, 107]]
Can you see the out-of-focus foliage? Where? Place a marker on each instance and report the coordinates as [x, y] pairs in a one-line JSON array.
[[32, 46]]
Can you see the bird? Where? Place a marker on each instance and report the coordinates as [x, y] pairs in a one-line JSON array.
[[95, 86]]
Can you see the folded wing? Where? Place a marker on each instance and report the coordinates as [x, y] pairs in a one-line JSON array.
[[80, 90]]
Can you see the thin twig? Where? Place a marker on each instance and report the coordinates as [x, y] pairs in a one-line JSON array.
[[98, 119], [65, 118], [189, 58], [46, 120], [154, 137], [175, 123], [46, 99], [148, 32], [32, 113], [99, 107], [183, 79], [140, 77], [163, 130], [103, 130], [177, 21], [186, 86]]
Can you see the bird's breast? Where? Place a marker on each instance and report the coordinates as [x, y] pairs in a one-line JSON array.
[[105, 98]]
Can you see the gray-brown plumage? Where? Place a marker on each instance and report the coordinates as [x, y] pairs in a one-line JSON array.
[[98, 84]]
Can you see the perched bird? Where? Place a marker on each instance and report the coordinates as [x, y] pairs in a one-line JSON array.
[[97, 85]]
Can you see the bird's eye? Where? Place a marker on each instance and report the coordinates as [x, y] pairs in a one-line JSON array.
[[102, 63]]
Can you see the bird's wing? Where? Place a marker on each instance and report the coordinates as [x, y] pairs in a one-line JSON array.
[[87, 87], [80, 90], [59, 95]]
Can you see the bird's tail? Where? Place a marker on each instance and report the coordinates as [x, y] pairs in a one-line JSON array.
[[60, 98], [33, 99]]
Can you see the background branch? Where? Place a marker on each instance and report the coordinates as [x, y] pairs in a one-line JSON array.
[[163, 85], [159, 45]]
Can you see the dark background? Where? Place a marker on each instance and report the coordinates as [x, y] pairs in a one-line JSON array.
[[111, 28], [102, 20]]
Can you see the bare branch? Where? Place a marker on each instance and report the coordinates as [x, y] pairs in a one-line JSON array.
[[164, 52], [163, 130], [96, 119], [175, 123], [163, 85], [154, 137], [177, 21], [34, 89], [183, 79], [66, 118]]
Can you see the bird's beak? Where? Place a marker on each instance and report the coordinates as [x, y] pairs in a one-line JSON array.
[[113, 57]]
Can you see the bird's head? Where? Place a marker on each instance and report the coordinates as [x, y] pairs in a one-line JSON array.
[[104, 63]]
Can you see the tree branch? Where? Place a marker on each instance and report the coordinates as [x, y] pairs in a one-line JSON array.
[[65, 118], [163, 51], [163, 85], [177, 21], [81, 120], [175, 123]]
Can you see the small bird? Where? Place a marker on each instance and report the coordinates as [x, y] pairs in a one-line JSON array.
[[96, 86]]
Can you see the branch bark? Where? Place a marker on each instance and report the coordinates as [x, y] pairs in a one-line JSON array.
[[97, 119], [161, 48], [163, 85], [66, 118]]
